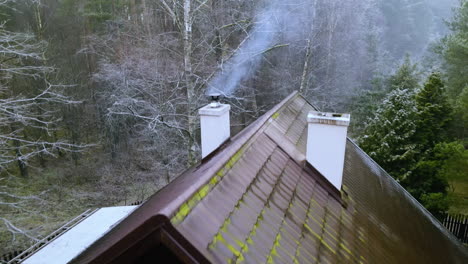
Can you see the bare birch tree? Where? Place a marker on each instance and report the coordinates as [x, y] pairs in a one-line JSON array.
[[19, 53], [23, 111]]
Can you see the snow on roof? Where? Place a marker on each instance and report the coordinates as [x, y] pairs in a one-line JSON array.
[[77, 239]]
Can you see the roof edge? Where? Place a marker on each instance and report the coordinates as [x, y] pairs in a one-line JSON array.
[[436, 222], [157, 230]]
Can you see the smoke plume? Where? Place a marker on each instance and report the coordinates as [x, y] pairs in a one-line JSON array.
[[248, 57]]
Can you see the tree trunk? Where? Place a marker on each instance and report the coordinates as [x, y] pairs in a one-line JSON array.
[[306, 68], [217, 43], [21, 164], [23, 168], [253, 95], [146, 18], [187, 31]]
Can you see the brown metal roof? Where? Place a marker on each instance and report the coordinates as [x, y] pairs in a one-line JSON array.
[[257, 201]]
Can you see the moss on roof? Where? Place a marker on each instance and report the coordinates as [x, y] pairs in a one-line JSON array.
[[257, 201], [263, 207]]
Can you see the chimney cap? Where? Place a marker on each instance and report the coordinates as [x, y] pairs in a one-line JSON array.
[[212, 94], [336, 119], [208, 110], [215, 99]]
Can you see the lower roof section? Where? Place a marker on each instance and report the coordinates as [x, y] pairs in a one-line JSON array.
[[77, 239]]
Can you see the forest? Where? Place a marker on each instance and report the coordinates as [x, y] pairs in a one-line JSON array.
[[99, 98]]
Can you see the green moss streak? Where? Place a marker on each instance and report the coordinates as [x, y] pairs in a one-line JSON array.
[[187, 207]]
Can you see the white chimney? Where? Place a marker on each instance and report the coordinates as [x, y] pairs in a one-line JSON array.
[[215, 126], [326, 144]]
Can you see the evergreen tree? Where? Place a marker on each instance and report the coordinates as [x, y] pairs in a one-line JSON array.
[[406, 77], [454, 163], [365, 104], [429, 180], [434, 113], [389, 136], [427, 183], [455, 51], [460, 123], [405, 137]]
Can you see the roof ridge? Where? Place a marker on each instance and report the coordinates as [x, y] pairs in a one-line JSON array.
[[224, 158]]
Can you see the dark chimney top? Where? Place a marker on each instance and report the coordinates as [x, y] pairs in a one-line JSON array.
[[215, 100]]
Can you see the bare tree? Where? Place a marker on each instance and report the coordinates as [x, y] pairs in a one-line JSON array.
[[27, 116], [153, 82], [19, 53]]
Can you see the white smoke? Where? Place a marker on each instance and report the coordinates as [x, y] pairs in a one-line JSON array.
[[249, 55]]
